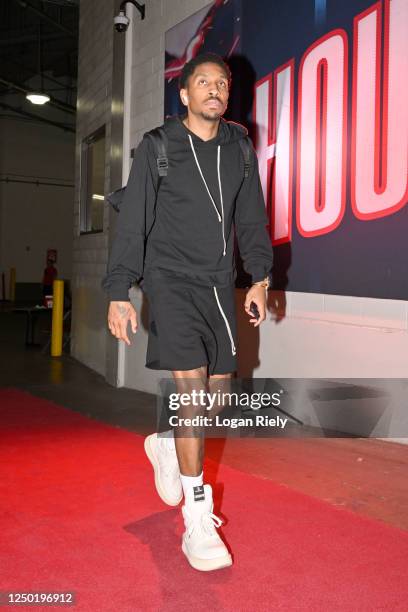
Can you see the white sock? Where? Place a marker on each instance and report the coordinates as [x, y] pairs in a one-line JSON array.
[[188, 482]]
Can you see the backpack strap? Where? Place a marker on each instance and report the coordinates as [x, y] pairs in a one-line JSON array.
[[159, 139], [160, 143], [246, 151]]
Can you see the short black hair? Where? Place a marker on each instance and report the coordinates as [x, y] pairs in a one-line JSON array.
[[202, 58]]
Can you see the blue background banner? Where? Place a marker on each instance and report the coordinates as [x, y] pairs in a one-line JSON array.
[[359, 254]]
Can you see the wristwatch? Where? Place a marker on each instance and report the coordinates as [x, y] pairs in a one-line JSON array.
[[264, 283]]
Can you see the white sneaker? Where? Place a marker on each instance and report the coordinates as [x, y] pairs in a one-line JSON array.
[[201, 543], [166, 469]]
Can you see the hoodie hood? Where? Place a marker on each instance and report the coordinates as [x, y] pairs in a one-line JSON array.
[[228, 132]]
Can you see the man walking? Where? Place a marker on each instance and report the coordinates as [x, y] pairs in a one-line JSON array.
[[180, 242]]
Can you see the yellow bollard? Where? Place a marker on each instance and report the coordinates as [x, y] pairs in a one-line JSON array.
[[57, 317], [12, 288]]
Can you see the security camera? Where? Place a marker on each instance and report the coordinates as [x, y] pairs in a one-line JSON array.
[[121, 22]]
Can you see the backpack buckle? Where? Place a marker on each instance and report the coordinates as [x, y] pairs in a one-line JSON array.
[[162, 165]]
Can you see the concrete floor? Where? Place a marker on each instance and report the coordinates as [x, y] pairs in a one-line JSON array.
[[366, 476]]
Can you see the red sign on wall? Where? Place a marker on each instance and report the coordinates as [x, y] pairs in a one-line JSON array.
[[52, 255]]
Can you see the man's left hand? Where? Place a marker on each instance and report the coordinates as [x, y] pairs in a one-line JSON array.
[[256, 294]]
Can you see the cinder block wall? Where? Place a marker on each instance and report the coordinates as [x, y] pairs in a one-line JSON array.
[[90, 251]]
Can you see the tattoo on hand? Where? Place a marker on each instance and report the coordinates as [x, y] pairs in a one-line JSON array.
[[122, 311]]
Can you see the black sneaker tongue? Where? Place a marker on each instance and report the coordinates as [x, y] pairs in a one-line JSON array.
[[199, 494]]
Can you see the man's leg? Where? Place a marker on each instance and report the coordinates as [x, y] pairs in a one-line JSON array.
[[219, 383], [190, 449], [178, 459], [201, 543]]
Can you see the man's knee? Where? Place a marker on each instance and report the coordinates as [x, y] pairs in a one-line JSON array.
[[219, 376], [191, 378], [194, 373]]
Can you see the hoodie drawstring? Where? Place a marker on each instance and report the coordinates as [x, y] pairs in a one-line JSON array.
[[222, 202], [233, 349], [220, 217]]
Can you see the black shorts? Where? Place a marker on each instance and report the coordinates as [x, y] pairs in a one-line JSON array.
[[190, 325]]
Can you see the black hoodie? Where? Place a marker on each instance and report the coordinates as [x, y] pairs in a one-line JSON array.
[[185, 232]]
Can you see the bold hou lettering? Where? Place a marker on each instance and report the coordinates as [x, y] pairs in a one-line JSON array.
[[379, 151], [322, 135], [273, 117]]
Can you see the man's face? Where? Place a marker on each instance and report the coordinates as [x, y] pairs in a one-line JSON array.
[[207, 92]]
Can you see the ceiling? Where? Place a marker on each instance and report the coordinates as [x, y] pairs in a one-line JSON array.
[[39, 48]]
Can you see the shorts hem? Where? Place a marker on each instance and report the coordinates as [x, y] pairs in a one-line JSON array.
[[223, 371], [154, 365]]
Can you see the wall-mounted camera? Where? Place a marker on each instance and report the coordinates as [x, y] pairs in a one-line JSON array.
[[121, 21]]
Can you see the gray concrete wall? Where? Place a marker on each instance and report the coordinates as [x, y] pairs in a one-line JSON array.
[[35, 217]]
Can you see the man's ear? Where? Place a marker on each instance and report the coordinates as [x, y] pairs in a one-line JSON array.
[[184, 96]]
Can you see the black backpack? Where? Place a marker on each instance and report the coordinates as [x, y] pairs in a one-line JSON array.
[[159, 138]]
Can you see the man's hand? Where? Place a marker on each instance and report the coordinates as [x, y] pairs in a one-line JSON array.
[[118, 316], [256, 294]]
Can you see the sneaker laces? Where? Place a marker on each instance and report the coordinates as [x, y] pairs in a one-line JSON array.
[[208, 523]]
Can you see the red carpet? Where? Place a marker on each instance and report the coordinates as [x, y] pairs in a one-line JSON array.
[[79, 513]]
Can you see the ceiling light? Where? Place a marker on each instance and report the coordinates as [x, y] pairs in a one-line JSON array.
[[38, 98]]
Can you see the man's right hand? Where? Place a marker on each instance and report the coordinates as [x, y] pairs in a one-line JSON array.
[[118, 316]]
